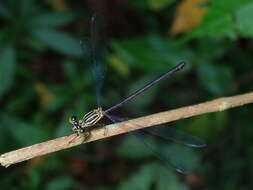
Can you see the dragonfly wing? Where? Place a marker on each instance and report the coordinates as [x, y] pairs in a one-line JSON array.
[[95, 53], [160, 153], [168, 133], [176, 135], [141, 135]]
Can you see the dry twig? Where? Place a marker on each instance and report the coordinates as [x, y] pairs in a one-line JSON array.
[[57, 144]]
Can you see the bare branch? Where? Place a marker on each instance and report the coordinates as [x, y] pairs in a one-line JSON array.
[[57, 144]]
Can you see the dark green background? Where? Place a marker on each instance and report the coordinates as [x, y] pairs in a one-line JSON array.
[[44, 79]]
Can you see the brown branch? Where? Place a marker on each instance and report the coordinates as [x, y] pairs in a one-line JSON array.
[[57, 144]]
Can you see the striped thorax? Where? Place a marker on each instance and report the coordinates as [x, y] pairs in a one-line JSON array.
[[91, 118]]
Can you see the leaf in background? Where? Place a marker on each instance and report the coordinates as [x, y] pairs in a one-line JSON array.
[[59, 41], [45, 96], [59, 4], [34, 178], [189, 13], [7, 68], [221, 120], [157, 5], [200, 126], [152, 53], [71, 70], [64, 127], [25, 96], [141, 180], [168, 179], [131, 148], [60, 182], [244, 17], [217, 79], [140, 103], [218, 22], [24, 133], [26, 9], [5, 12], [119, 65], [53, 19], [152, 176]]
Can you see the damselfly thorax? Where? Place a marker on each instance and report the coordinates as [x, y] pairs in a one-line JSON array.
[[89, 119], [92, 117]]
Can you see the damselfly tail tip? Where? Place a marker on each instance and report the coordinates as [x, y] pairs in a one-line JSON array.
[[201, 145], [181, 170], [93, 18], [181, 65], [81, 42]]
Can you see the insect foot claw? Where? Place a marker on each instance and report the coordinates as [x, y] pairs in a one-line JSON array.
[[85, 135], [105, 131]]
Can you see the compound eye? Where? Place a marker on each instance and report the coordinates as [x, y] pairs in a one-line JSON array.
[[73, 118]]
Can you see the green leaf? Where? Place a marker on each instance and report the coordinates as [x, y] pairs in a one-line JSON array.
[[27, 9], [152, 52], [131, 148], [219, 21], [244, 17], [168, 179], [141, 180], [218, 79], [143, 101], [119, 65], [104, 187], [221, 121], [200, 126], [5, 12], [216, 23], [25, 133], [7, 68], [159, 4], [228, 6], [71, 70], [152, 176], [34, 178], [59, 183], [59, 41], [19, 103], [64, 127], [53, 19]]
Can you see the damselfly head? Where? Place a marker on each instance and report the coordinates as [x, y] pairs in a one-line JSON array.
[[73, 119]]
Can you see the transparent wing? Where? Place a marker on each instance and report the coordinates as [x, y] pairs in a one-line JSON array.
[[161, 153], [169, 133], [93, 49], [176, 135], [97, 55]]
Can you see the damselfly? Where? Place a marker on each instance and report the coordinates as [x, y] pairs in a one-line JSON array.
[[91, 118]]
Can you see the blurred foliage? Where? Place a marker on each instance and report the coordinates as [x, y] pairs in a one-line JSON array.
[[45, 78]]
